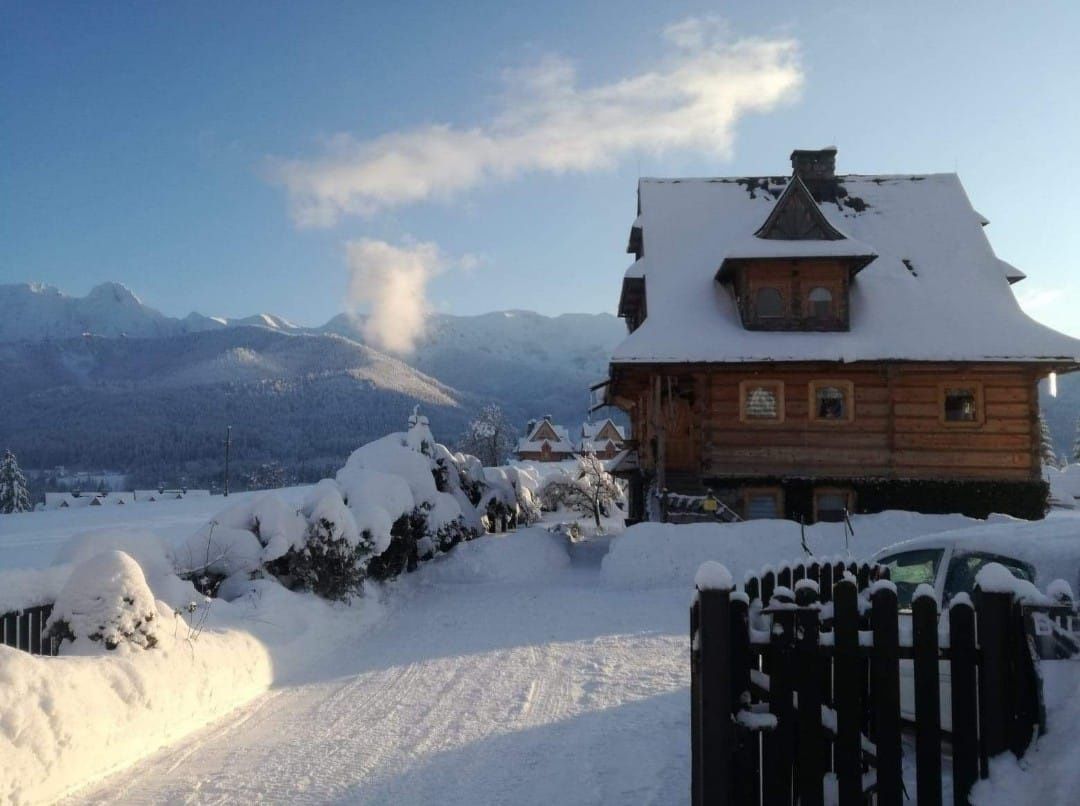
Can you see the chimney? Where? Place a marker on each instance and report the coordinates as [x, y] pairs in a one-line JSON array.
[[814, 166]]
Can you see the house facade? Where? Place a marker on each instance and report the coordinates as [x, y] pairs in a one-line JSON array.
[[605, 439], [544, 441], [812, 344]]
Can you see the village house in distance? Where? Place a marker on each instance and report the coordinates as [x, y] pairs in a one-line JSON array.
[[545, 441], [817, 343]]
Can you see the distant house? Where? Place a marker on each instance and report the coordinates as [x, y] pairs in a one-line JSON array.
[[163, 494], [605, 439], [87, 499], [813, 344], [544, 441]]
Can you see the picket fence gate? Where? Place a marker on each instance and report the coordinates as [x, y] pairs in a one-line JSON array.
[[803, 693]]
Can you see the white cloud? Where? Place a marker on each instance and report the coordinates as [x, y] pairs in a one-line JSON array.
[[692, 100]]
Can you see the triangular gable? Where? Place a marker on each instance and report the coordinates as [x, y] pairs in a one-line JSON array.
[[609, 432], [796, 217], [544, 431]]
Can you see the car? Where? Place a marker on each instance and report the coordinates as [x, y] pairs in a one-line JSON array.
[[1037, 551]]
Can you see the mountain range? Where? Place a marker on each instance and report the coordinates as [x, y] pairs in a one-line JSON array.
[[105, 381]]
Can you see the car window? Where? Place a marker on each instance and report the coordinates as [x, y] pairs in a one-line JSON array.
[[965, 567], [910, 569]]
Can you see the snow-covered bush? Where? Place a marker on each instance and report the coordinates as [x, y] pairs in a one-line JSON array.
[[106, 601], [397, 500], [590, 490]]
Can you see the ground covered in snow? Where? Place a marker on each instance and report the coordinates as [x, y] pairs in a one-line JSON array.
[[518, 668]]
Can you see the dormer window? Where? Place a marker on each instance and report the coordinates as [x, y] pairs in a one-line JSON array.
[[769, 303], [819, 303]]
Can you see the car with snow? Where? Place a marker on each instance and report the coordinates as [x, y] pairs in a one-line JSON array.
[[950, 561]]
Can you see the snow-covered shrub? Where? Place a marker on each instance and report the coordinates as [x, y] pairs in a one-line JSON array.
[[591, 490], [153, 554], [106, 601], [216, 552]]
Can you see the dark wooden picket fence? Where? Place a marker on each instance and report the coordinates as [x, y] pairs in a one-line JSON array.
[[795, 689], [25, 630]]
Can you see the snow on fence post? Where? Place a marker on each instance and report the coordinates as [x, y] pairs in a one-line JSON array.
[[924, 639], [714, 585], [849, 691], [962, 665], [885, 685]]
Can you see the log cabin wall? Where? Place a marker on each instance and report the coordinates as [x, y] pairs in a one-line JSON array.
[[897, 430]]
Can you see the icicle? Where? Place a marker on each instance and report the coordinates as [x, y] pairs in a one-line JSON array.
[[1053, 384]]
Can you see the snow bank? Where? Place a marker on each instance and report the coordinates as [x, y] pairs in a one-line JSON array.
[[527, 555], [657, 554], [1049, 772], [153, 554]]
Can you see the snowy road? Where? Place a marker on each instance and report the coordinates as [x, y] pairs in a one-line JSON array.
[[563, 691]]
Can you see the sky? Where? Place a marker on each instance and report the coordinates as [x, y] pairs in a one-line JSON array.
[[308, 158]]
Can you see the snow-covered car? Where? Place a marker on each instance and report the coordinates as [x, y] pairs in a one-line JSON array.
[[950, 561]]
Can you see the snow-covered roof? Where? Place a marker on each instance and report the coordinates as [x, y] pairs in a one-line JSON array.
[[533, 442], [936, 291], [591, 430]]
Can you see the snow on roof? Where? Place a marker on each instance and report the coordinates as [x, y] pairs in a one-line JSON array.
[[636, 269], [591, 430], [936, 292], [531, 443]]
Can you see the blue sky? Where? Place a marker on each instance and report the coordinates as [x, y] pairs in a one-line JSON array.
[[240, 157]]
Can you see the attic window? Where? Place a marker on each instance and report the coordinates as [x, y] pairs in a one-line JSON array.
[[761, 401], [819, 302], [769, 303], [830, 401]]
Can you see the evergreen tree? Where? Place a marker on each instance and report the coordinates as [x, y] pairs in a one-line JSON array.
[[14, 494], [1076, 443], [1049, 454]]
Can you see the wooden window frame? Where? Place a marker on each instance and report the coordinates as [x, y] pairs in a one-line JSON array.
[[785, 303], [808, 305], [980, 404], [847, 492], [849, 408], [781, 402], [774, 490]]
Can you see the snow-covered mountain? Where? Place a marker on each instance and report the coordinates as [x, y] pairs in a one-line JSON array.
[[105, 381], [34, 312]]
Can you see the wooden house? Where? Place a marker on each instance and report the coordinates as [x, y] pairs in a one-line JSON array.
[[544, 441], [605, 439], [812, 344]]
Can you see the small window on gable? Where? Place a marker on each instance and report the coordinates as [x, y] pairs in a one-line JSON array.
[[761, 401], [763, 502], [769, 303], [832, 401], [961, 403], [819, 303]]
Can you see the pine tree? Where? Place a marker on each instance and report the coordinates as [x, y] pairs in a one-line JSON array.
[[1076, 443], [14, 494], [1049, 454]]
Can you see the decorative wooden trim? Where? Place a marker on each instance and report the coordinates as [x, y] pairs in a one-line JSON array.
[[781, 403], [980, 404], [776, 491], [847, 492], [849, 402]]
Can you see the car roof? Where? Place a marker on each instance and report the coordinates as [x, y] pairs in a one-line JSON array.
[[1051, 546]]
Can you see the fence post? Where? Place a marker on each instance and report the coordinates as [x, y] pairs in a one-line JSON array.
[[848, 693], [695, 702], [745, 773], [885, 671], [962, 664], [826, 586], [716, 707], [779, 743], [809, 681], [995, 691], [924, 616]]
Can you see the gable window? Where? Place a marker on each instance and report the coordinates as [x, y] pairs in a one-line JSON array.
[[769, 303], [961, 403], [763, 502], [832, 401], [761, 401], [831, 505], [819, 303]]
